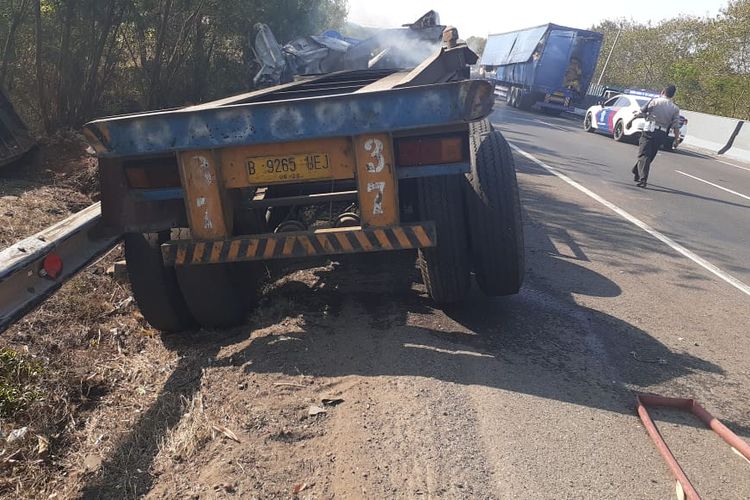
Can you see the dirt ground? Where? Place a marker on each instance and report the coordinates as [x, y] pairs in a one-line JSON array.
[[347, 382], [53, 181], [118, 406]]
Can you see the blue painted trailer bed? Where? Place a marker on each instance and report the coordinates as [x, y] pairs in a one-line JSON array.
[[237, 124]]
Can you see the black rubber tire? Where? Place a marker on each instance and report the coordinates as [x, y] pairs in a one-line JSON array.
[[524, 101], [509, 97], [214, 293], [494, 209], [588, 123], [619, 132], [446, 270], [154, 285]]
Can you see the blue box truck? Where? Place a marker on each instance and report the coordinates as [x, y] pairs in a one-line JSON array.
[[546, 67]]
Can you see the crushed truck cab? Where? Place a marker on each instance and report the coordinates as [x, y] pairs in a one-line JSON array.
[[348, 162]]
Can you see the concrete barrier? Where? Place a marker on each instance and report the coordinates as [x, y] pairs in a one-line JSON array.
[[740, 149], [709, 132]]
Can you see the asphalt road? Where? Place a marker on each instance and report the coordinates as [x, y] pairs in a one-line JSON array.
[[528, 396], [699, 201]]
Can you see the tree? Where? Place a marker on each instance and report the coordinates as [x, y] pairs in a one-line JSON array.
[[67, 61], [708, 59], [17, 11]]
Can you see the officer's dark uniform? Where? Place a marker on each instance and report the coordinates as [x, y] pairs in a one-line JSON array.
[[661, 114]]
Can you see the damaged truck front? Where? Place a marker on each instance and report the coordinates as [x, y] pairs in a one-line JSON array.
[[372, 160], [15, 138]]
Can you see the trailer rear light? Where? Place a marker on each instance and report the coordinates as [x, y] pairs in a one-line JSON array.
[[436, 150], [152, 173], [52, 266]]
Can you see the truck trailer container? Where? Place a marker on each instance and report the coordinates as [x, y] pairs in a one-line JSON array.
[[546, 67]]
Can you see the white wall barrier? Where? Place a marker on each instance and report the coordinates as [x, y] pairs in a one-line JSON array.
[[709, 132], [740, 149]]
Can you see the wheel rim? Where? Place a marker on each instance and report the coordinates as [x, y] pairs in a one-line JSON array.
[[618, 130], [587, 122]]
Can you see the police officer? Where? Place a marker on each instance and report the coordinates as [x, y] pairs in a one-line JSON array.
[[661, 115]]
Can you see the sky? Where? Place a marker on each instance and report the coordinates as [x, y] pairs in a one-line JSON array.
[[479, 18]]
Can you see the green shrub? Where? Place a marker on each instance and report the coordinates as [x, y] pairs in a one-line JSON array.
[[19, 378]]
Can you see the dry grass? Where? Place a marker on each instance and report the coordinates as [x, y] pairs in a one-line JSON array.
[[26, 208], [95, 358], [50, 184], [193, 432], [97, 364], [115, 405]]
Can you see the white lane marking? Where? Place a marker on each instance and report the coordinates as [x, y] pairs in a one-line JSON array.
[[551, 125], [714, 185], [733, 165], [637, 222]]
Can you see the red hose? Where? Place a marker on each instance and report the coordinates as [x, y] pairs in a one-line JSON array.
[[661, 445], [644, 400]]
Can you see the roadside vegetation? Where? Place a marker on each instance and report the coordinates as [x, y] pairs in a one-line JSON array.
[[19, 377], [707, 58], [64, 62], [79, 371]]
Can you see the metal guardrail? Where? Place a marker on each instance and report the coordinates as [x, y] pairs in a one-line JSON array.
[[34, 268]]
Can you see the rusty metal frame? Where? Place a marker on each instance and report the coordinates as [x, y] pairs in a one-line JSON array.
[[445, 65], [645, 400], [377, 182], [326, 116], [302, 244]]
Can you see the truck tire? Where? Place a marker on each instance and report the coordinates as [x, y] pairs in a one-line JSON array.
[[445, 269], [509, 97], [154, 285], [494, 209], [524, 101], [214, 293], [588, 123]]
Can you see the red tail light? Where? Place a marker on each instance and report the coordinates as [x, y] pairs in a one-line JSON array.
[[52, 266], [431, 150]]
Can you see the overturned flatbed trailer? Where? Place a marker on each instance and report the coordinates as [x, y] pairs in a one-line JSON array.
[[15, 138], [343, 163]]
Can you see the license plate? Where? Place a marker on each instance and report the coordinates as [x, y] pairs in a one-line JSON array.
[[269, 169]]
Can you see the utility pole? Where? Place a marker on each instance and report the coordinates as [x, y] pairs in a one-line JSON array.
[[610, 55]]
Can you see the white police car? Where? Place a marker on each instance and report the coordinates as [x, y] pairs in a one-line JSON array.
[[612, 116]]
